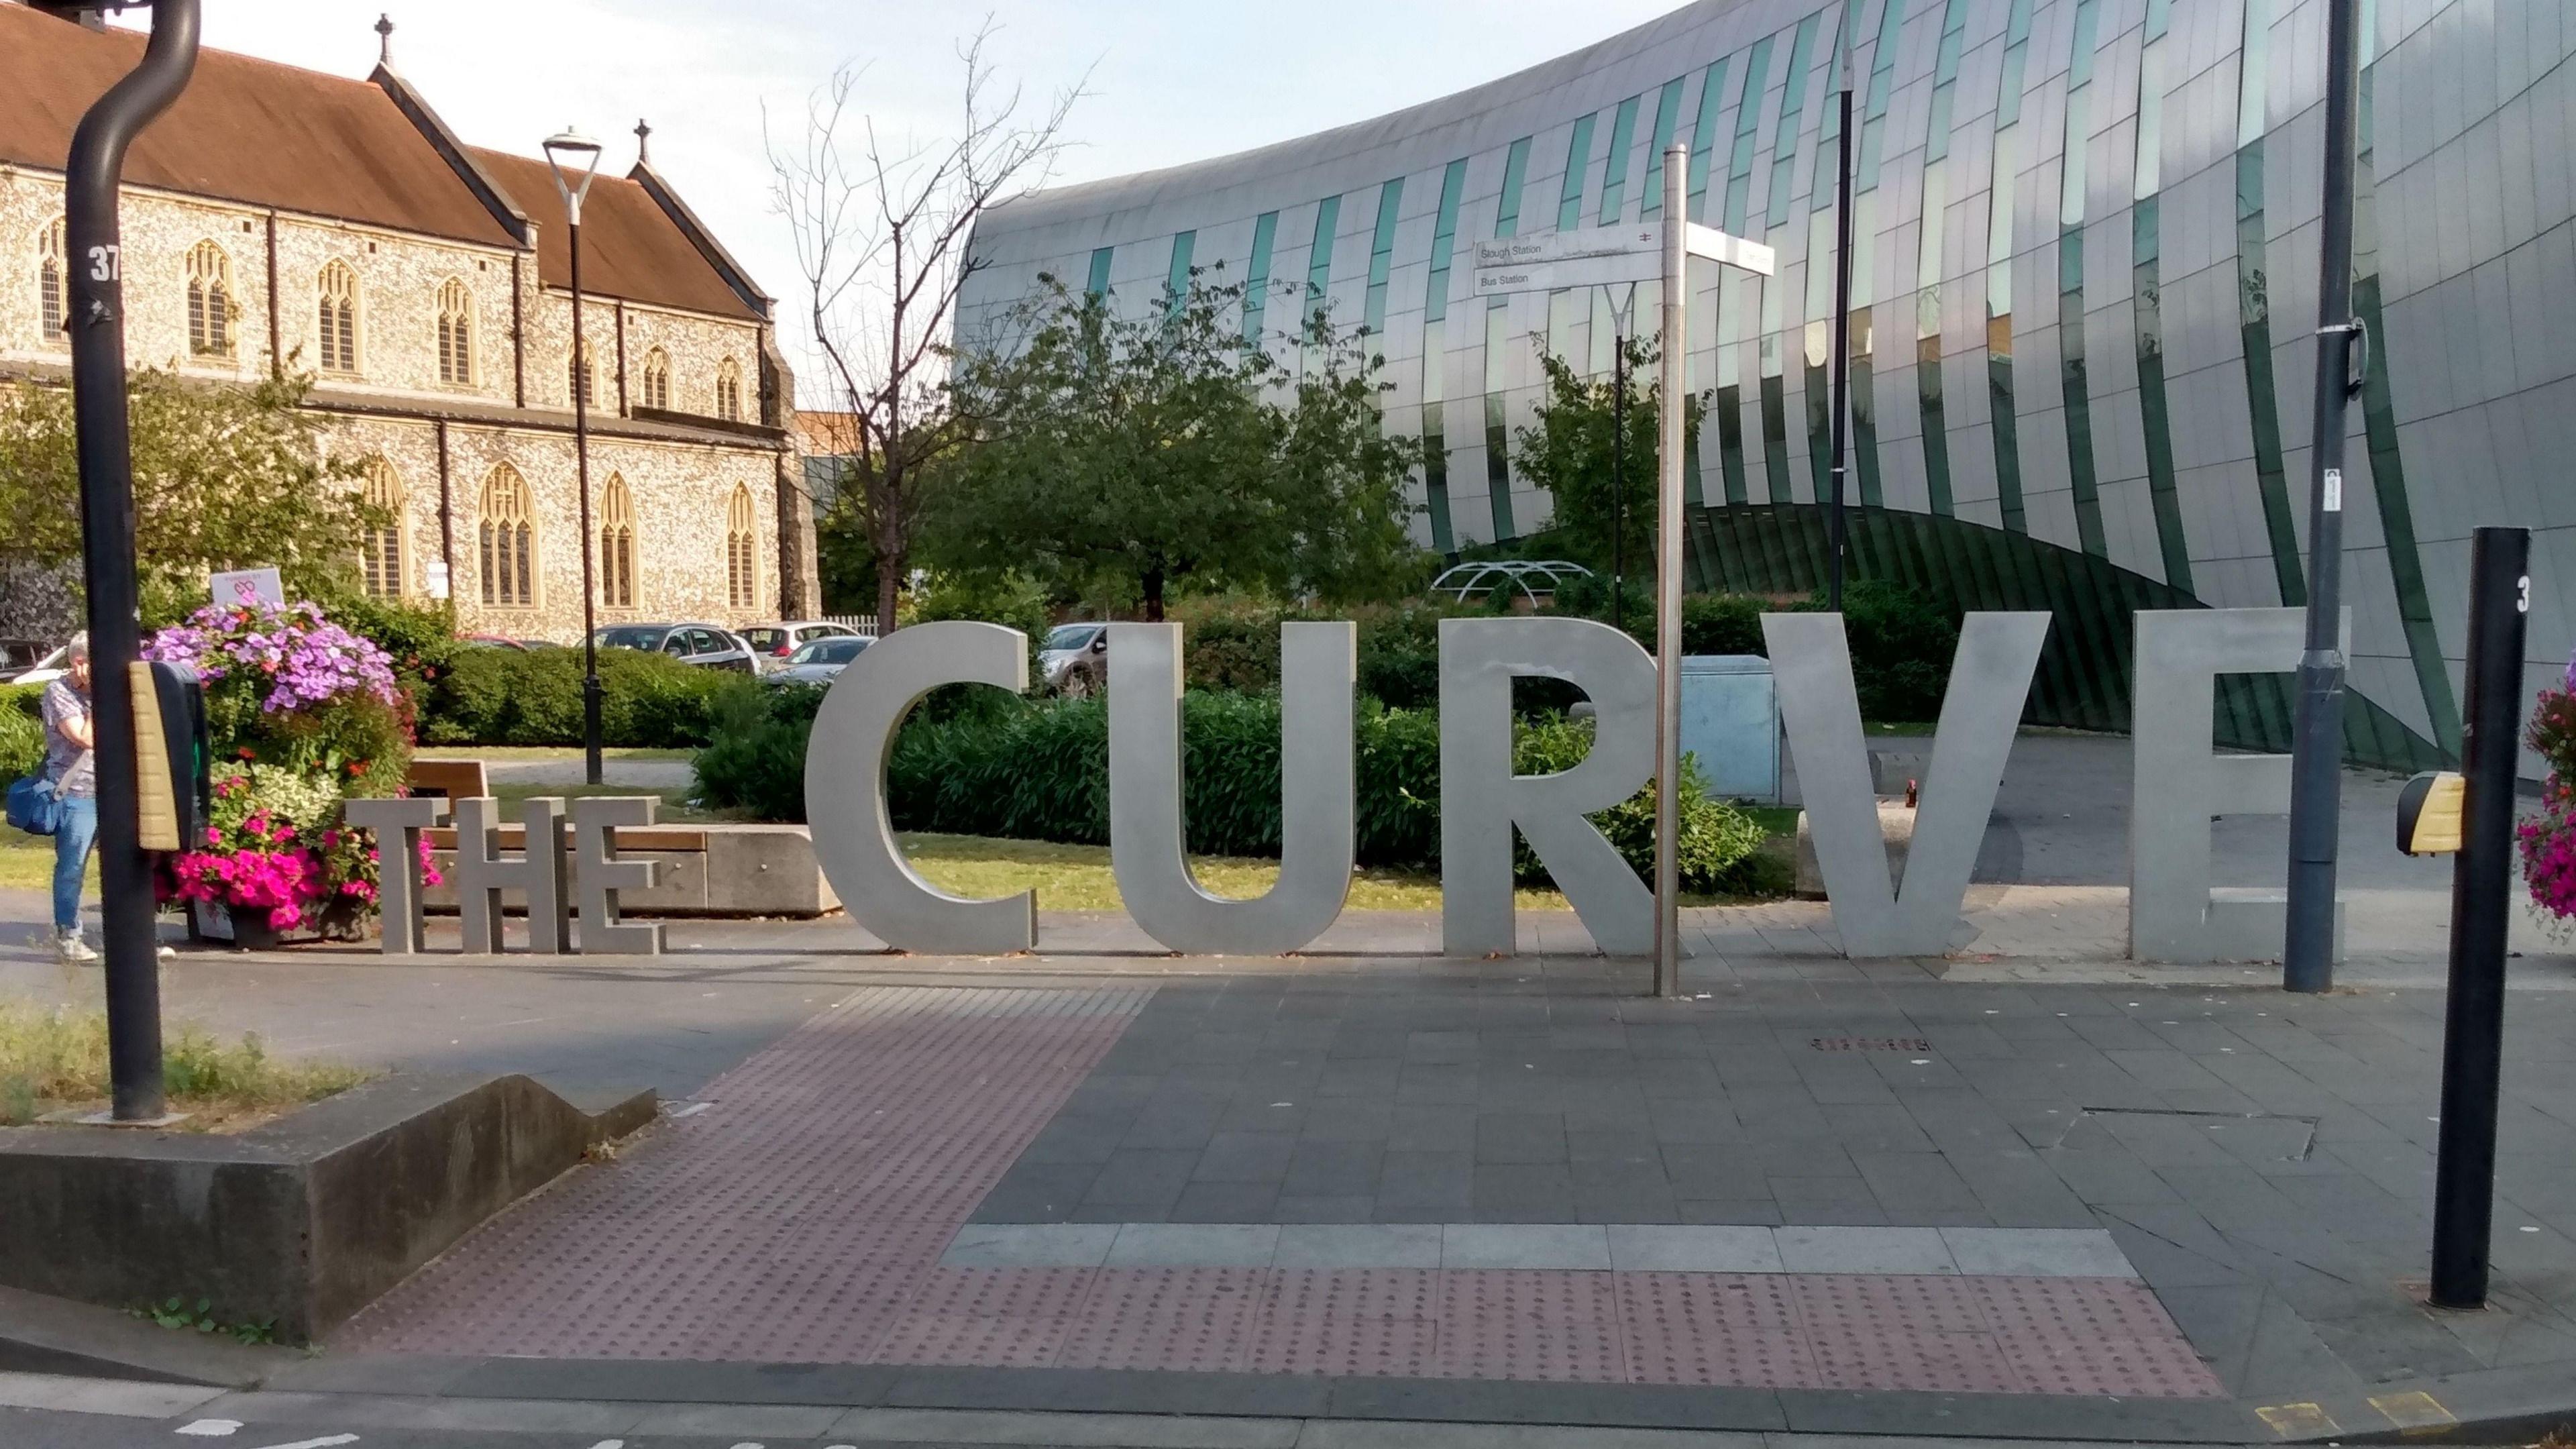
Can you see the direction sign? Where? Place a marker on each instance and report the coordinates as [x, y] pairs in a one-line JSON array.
[[1595, 270], [1734, 251], [1566, 246]]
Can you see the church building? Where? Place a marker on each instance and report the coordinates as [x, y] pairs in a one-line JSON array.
[[276, 217]]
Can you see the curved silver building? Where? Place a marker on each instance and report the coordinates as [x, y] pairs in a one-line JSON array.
[[2085, 291]]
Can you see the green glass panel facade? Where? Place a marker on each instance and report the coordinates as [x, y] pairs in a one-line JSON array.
[[2074, 381], [2254, 302], [1098, 283], [1712, 91], [1319, 260], [1435, 351], [2379, 422], [1614, 174], [2003, 404], [1668, 116], [1578, 168], [2146, 290], [1381, 256], [1176, 283], [1727, 405], [1930, 230], [1498, 460], [1256, 277], [1793, 111]]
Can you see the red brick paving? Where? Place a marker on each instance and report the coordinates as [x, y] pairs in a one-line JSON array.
[[802, 1217]]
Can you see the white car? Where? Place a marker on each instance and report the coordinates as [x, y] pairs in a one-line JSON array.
[[46, 670], [771, 644], [1074, 660], [817, 661]]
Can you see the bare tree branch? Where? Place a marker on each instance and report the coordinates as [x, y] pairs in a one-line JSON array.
[[882, 233]]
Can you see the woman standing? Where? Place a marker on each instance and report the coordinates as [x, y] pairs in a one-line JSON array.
[[69, 736]]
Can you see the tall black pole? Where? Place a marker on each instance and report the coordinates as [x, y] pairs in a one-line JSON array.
[[2316, 770], [581, 468], [2481, 887], [1834, 522], [107, 543], [1618, 478]]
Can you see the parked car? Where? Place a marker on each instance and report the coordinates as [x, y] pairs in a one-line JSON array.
[[771, 644], [495, 641], [707, 646], [54, 665], [1074, 661], [17, 656], [818, 661]]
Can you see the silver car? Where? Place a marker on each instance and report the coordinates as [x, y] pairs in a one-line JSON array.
[[818, 661], [1074, 661]]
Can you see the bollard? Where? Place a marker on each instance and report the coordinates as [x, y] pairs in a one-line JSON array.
[[2481, 881]]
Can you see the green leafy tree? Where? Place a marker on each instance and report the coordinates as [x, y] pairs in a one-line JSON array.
[[1567, 451], [224, 477], [1128, 455]]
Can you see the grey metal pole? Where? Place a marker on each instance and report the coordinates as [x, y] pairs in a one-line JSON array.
[[1837, 527], [105, 446], [1668, 584], [2316, 770], [1618, 477], [590, 692], [2481, 896]]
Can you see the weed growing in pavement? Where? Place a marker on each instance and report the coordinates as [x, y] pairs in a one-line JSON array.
[[175, 1313], [57, 1058]]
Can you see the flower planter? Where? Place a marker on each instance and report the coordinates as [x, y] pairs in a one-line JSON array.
[[344, 919]]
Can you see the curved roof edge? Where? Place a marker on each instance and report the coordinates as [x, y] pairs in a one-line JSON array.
[[1112, 193]]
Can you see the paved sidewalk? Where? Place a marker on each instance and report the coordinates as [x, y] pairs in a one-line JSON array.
[[2259, 1163]]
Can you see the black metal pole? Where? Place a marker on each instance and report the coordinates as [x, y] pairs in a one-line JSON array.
[[2481, 887], [1618, 478], [1834, 522], [590, 741], [2316, 770], [107, 543]]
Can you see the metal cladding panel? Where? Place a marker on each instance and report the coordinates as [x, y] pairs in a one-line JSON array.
[[2468, 253]]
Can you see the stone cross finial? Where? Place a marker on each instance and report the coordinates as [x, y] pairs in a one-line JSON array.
[[385, 40], [643, 143]]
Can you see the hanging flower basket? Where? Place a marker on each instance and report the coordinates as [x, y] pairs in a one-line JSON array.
[[2548, 839]]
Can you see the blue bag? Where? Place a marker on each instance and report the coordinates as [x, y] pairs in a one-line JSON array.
[[33, 807]]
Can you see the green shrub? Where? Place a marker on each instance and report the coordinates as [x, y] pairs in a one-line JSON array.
[[533, 697], [22, 731], [1901, 648], [1039, 770]]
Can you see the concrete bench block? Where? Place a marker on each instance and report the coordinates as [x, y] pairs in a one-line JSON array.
[[739, 870], [1895, 826]]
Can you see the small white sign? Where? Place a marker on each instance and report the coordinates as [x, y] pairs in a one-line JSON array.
[[433, 578], [2334, 490], [1566, 246], [1734, 251], [249, 586], [1597, 270]]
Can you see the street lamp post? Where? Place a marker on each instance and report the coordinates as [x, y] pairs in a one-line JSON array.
[[91, 181], [575, 158]]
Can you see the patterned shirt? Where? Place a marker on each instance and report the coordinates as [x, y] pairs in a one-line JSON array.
[[68, 765]]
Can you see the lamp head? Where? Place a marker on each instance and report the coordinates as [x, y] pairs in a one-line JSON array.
[[575, 158]]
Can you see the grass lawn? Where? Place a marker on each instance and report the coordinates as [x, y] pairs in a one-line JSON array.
[[1078, 877], [56, 1060], [27, 862], [548, 752], [675, 807]]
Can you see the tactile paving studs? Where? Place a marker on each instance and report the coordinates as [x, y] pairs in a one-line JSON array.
[[796, 1219], [1357, 1323], [2091, 1336], [1167, 1318], [1736, 1329], [1530, 1325]]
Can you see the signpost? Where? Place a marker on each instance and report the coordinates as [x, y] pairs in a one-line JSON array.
[[1607, 256]]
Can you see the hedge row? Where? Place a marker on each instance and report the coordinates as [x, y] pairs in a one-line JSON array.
[[22, 730], [1039, 770], [1900, 646], [533, 697]]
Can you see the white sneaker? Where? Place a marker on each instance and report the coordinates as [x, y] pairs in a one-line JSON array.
[[72, 949]]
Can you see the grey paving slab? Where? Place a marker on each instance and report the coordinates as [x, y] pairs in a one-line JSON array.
[[2042, 1252], [1864, 1250], [1344, 1245], [1644, 1248], [1534, 1245], [1032, 1245], [1193, 1245]]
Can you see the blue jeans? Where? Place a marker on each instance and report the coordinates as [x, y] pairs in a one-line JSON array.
[[72, 841]]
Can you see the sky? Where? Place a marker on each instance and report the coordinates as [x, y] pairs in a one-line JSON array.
[[1163, 81]]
